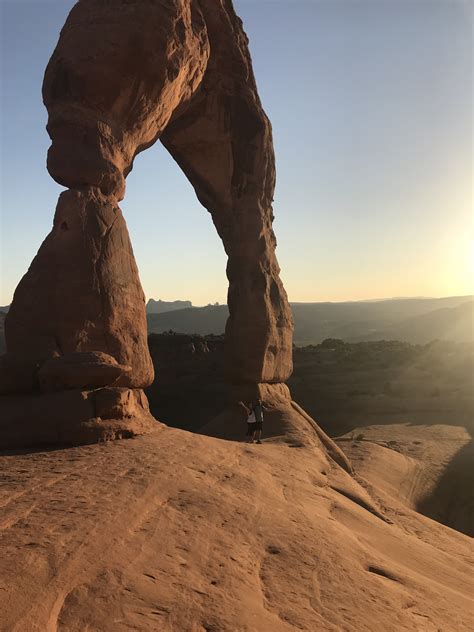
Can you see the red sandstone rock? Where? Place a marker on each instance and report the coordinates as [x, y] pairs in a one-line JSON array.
[[183, 74], [82, 291], [118, 403], [87, 369], [123, 74], [223, 142], [18, 373], [119, 71], [74, 417]]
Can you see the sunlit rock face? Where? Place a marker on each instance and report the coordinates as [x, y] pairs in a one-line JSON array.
[[124, 74]]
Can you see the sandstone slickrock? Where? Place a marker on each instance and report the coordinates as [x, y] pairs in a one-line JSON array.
[[89, 369], [124, 74], [175, 532]]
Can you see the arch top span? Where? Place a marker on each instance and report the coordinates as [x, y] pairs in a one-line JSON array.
[[118, 73], [124, 74]]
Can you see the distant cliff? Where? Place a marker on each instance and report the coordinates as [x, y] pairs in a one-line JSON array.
[[194, 320], [412, 320], [161, 307]]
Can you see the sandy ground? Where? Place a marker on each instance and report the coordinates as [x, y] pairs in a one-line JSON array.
[[187, 533]]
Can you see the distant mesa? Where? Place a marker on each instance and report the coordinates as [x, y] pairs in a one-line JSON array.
[[161, 307], [415, 320]]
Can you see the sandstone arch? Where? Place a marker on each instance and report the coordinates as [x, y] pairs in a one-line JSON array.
[[124, 74]]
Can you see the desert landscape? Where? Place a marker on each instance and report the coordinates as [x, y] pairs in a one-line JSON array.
[[415, 320], [178, 531], [132, 496]]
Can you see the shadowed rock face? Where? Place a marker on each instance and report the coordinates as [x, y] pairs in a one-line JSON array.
[[123, 74], [82, 291]]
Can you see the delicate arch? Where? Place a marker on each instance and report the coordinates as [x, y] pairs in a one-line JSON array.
[[123, 74]]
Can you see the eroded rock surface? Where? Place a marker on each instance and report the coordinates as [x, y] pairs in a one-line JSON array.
[[89, 369], [82, 291], [74, 417], [175, 532], [123, 74]]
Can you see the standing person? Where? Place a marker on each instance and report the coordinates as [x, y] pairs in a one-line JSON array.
[[258, 409], [251, 423]]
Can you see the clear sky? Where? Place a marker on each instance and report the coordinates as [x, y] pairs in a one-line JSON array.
[[371, 107]]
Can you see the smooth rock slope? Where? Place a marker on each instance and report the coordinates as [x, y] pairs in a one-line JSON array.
[[186, 533], [428, 468]]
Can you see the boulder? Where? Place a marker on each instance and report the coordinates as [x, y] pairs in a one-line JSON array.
[[119, 403]]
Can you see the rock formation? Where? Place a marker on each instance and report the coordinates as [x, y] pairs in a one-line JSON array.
[[124, 74], [161, 307]]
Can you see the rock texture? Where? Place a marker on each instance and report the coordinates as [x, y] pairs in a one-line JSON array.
[[74, 417], [123, 74], [176, 532], [223, 142], [82, 291], [429, 468], [91, 369]]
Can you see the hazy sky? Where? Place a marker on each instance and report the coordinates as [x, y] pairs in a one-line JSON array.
[[371, 107]]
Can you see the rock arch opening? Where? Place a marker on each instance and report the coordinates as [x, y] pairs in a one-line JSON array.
[[179, 254]]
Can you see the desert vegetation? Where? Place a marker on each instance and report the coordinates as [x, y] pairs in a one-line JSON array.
[[342, 385], [345, 385], [415, 320]]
